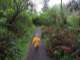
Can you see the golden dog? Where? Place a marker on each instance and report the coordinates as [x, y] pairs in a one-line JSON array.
[[36, 41]]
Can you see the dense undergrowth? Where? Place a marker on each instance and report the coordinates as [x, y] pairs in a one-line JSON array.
[[62, 37], [60, 32]]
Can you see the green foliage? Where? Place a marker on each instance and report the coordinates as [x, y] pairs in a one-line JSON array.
[[67, 57], [73, 21], [16, 25], [53, 17], [8, 47], [62, 30], [15, 20], [9, 11]]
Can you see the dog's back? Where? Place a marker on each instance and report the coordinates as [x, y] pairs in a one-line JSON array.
[[36, 41]]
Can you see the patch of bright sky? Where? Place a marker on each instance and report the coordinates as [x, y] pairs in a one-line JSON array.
[[39, 5], [54, 2]]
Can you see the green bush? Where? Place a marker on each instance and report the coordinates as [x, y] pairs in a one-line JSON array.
[[73, 21], [8, 46]]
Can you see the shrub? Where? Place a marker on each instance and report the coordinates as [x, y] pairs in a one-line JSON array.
[[73, 21], [8, 46], [61, 40]]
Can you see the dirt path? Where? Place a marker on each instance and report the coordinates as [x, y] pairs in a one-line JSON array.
[[38, 54]]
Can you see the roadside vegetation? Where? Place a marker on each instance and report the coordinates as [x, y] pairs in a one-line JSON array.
[[60, 29]]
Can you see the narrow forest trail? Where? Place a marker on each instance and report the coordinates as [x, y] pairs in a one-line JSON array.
[[38, 54]]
